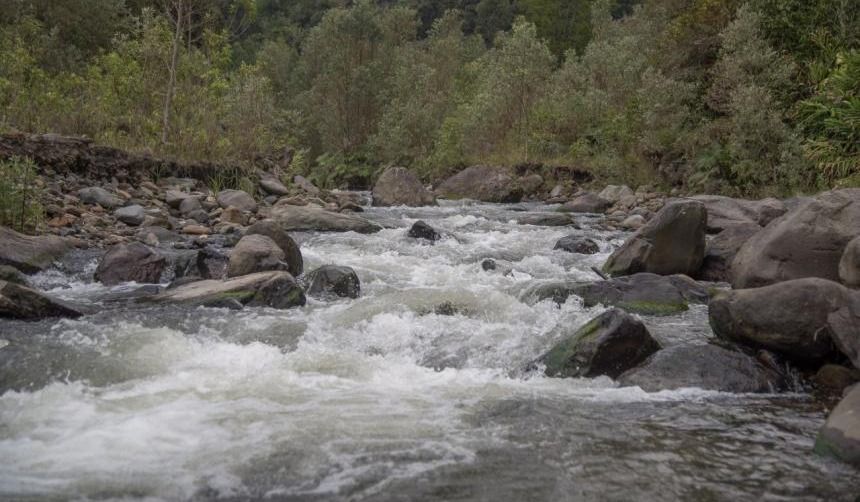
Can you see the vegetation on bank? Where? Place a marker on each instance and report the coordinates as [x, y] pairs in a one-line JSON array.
[[744, 98]]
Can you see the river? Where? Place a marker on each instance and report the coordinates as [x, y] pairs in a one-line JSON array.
[[415, 391]]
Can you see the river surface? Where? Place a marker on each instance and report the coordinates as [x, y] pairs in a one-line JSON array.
[[414, 391]]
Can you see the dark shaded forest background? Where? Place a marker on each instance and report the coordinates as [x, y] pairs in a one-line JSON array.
[[744, 98]]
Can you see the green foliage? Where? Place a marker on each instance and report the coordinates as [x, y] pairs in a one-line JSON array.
[[19, 195]]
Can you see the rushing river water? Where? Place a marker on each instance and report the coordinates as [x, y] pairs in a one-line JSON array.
[[387, 397]]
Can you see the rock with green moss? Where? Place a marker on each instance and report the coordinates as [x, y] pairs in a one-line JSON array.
[[840, 436], [274, 289], [609, 344]]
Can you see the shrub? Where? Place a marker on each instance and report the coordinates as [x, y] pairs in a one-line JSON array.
[[20, 208]]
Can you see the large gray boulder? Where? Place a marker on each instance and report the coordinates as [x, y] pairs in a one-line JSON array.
[[721, 249], [614, 193], [849, 264], [21, 302], [30, 254], [706, 367], [808, 241], [840, 436], [255, 253], [274, 231], [398, 186], [609, 344], [130, 215], [307, 218], [673, 242], [586, 203], [725, 212], [264, 289], [333, 281], [238, 199], [483, 183], [100, 196], [804, 320], [130, 262]]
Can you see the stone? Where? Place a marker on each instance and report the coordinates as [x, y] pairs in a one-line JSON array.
[[238, 199], [174, 198], [398, 186], [333, 281], [212, 264], [305, 184], [633, 222], [614, 193], [707, 367], [803, 320], [808, 241], [193, 229], [306, 218], [100, 196], [577, 244], [530, 184], [189, 205], [421, 230], [610, 344], [18, 301], [588, 202], [725, 212], [276, 289], [849, 264], [131, 215], [673, 242], [30, 254], [840, 436], [130, 262], [488, 264], [255, 253], [833, 379], [720, 250], [482, 183], [13, 275], [644, 293], [546, 220], [274, 231], [234, 215], [273, 186]]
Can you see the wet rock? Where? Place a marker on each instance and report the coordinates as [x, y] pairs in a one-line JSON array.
[[21, 302], [130, 262], [12, 274], [488, 264], [273, 186], [333, 280], [421, 230], [840, 436], [610, 344], [726, 212], [721, 249], [483, 183], [808, 241], [577, 244], [212, 264], [397, 186], [706, 367], [274, 231], [130, 215], [255, 253], [300, 218], [304, 184], [586, 203], [849, 264], [833, 379], [30, 254], [614, 193], [238, 199], [646, 294], [100, 196], [264, 289], [546, 220], [673, 242], [800, 320]]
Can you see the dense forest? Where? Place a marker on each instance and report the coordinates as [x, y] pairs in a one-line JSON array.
[[744, 98]]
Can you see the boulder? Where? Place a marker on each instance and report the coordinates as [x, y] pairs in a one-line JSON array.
[[398, 186], [306, 185], [12, 274], [255, 253], [301, 218], [586, 203], [238, 199], [706, 367], [30, 254], [421, 230], [609, 344], [545, 220], [808, 241], [803, 320], [721, 249], [273, 186], [725, 212], [646, 294], [833, 379], [673, 242], [130, 215], [530, 184], [212, 264], [577, 244], [234, 216], [174, 198], [100, 196], [614, 193], [840, 436], [130, 262], [331, 281], [274, 231], [633, 222], [483, 183], [21, 302], [275, 289], [190, 205], [849, 264]]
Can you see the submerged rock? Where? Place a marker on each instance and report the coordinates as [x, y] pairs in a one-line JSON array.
[[333, 280], [546, 220], [609, 344], [483, 183], [30, 254], [130, 262], [264, 289], [274, 231], [398, 186], [840, 436], [21, 302], [421, 230], [255, 253], [577, 244], [707, 367]]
